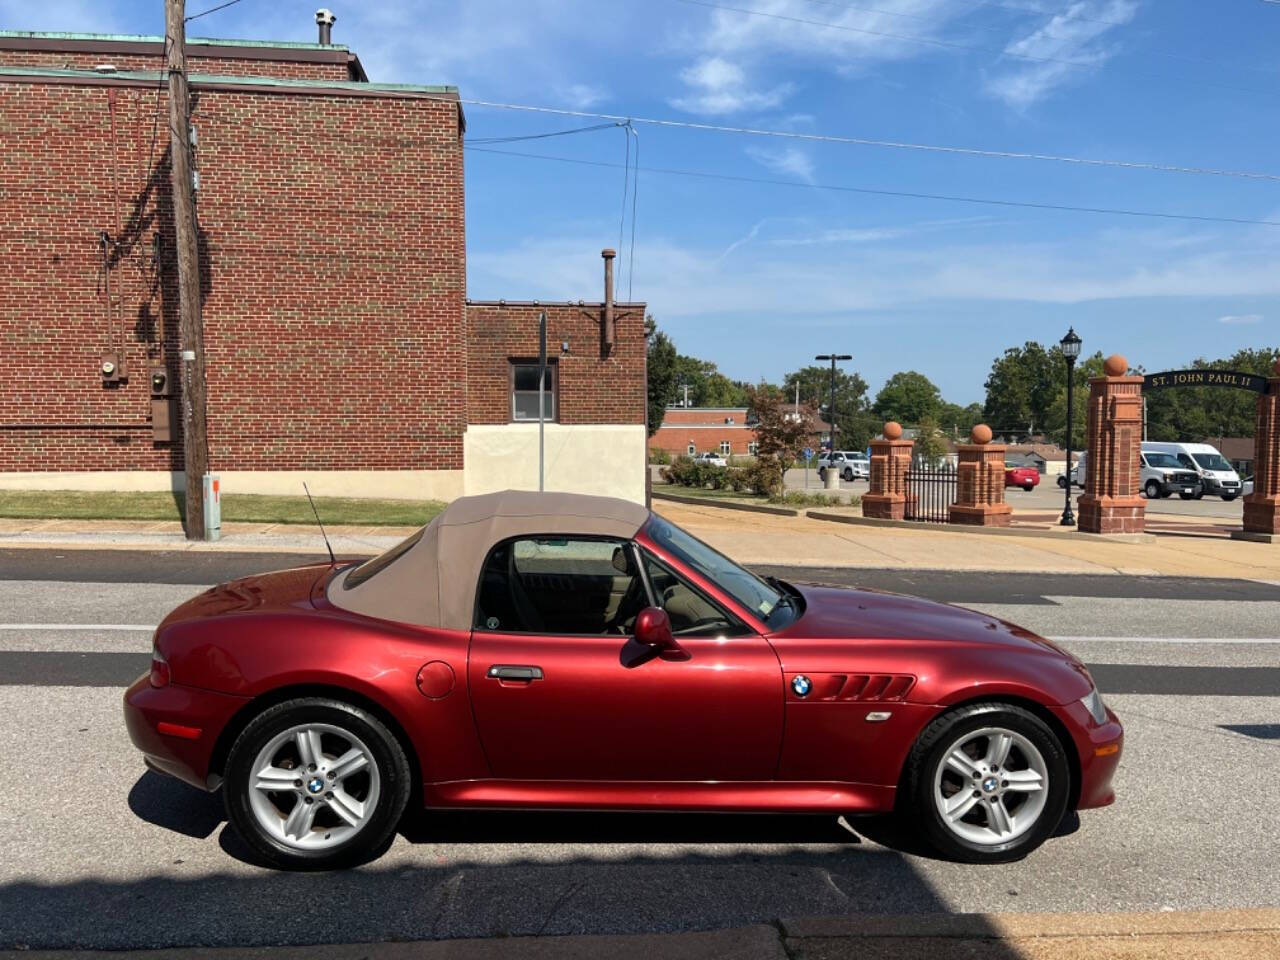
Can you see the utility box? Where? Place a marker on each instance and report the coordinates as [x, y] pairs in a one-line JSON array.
[[212, 507], [162, 406]]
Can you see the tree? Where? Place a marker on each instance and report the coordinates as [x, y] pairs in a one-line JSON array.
[[855, 426], [929, 447], [908, 397], [781, 435], [1055, 418], [958, 421], [662, 373]]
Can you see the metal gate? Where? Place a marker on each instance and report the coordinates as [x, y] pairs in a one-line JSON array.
[[930, 492]]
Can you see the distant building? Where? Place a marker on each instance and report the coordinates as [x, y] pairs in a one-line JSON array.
[[723, 430]]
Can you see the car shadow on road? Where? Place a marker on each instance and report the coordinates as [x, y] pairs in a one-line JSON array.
[[478, 874]]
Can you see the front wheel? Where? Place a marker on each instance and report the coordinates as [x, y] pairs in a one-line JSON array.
[[316, 784], [1228, 497], [1062, 482], [986, 784], [1153, 490], [848, 475]]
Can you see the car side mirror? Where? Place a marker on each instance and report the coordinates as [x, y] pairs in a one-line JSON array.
[[653, 629]]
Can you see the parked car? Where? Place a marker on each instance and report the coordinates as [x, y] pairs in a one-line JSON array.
[[849, 464], [1214, 470], [1025, 477], [558, 651], [711, 459], [1162, 475], [1079, 473]]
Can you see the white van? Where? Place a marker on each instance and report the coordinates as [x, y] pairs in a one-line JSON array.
[[1216, 474]]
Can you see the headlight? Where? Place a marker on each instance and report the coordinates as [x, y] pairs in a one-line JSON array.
[[1097, 709]]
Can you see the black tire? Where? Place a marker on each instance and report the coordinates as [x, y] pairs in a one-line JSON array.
[[1199, 494], [822, 474], [1228, 497], [1062, 482], [392, 766], [1029, 487], [848, 476], [1152, 489], [916, 803]]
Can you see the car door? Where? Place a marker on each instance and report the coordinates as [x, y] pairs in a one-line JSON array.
[[561, 690]]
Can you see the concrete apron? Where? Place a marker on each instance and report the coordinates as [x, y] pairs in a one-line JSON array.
[[1203, 935]]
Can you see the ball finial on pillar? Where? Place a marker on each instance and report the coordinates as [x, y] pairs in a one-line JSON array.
[[980, 434], [892, 430], [1116, 366]]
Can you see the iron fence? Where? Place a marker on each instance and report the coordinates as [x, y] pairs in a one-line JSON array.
[[930, 492]]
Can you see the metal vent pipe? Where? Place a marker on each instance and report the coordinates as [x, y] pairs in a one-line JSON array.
[[608, 256], [325, 20]]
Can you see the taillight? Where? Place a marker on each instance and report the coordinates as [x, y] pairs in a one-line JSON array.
[[159, 670]]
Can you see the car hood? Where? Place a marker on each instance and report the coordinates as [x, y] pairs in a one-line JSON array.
[[858, 614]]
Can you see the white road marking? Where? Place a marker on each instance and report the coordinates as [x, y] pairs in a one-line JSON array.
[[124, 627], [1219, 640]]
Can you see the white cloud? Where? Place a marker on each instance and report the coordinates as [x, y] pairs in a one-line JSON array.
[[789, 161], [720, 86], [1241, 319], [581, 96], [1073, 44]]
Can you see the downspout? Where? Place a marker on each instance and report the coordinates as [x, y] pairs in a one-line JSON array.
[[115, 242]]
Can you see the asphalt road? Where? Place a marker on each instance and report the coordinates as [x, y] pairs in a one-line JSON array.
[[101, 854]]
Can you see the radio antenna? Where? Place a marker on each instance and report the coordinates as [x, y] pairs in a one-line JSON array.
[[332, 559]]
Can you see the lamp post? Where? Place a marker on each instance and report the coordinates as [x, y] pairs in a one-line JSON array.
[[1070, 350], [833, 357]]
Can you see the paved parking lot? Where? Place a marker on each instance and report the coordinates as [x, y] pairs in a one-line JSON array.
[[100, 853]]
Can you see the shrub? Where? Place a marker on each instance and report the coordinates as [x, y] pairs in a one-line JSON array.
[[800, 498], [659, 456]]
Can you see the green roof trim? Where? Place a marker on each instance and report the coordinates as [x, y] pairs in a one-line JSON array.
[[144, 38], [155, 76]]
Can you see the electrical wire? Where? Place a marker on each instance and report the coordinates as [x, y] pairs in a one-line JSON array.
[[626, 182], [890, 144], [912, 195], [635, 189], [205, 13], [544, 136]]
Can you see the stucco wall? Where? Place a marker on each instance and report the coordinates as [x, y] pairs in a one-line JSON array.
[[602, 459]]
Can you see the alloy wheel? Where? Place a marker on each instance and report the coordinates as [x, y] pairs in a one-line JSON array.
[[991, 786], [314, 786]]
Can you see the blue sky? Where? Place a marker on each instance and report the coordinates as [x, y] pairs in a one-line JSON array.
[[759, 277]]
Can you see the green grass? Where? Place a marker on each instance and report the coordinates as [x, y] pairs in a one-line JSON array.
[[705, 493], [241, 508]]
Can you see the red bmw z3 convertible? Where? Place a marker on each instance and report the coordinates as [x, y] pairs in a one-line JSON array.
[[529, 650]]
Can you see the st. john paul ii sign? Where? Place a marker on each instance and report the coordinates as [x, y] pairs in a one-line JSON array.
[[1204, 378]]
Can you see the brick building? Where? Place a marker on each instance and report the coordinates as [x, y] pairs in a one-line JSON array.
[[340, 344], [722, 430]]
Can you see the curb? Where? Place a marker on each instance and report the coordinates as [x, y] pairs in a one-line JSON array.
[[726, 504], [982, 531]]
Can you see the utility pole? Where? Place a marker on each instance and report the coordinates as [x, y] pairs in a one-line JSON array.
[[195, 446], [833, 357]]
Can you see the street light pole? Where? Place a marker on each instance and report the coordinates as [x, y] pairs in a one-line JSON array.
[[833, 357], [1070, 350]]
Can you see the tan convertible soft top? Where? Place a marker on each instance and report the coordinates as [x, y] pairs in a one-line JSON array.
[[433, 583]]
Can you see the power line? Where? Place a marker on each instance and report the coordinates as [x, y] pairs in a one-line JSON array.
[[205, 13], [892, 144], [544, 136], [911, 195], [935, 42]]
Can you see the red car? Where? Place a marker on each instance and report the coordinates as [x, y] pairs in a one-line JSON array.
[[560, 651], [1025, 477]]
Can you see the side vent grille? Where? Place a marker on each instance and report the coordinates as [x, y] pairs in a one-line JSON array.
[[862, 687]]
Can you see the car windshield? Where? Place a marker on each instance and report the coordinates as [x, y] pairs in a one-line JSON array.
[[1161, 460], [1211, 461], [744, 586]]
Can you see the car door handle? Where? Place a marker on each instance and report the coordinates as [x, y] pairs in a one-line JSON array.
[[505, 671]]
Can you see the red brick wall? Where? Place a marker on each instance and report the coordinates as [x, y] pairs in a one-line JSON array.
[[675, 437], [334, 274], [592, 389], [222, 66]]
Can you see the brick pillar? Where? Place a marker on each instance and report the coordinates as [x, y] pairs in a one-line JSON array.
[[890, 458], [1110, 503], [1262, 507], [980, 482]]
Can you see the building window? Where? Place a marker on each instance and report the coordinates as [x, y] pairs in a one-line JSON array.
[[524, 392], [693, 448], [724, 448], [752, 447]]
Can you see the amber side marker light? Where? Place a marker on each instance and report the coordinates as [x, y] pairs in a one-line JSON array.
[[178, 730], [1107, 750]]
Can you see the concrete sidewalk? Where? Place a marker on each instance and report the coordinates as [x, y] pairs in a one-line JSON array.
[[746, 537], [1193, 935]]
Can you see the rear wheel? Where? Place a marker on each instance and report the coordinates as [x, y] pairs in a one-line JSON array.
[[316, 784], [987, 783], [1062, 482]]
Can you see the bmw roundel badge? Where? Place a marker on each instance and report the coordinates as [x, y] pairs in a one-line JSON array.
[[801, 685]]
